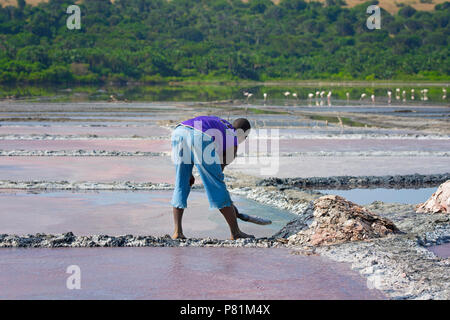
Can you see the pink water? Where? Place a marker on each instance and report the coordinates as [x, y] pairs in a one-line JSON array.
[[99, 169], [177, 273], [312, 166], [97, 144], [121, 212], [110, 131], [304, 145]]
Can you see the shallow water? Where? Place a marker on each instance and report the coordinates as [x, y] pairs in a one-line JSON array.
[[98, 169], [442, 250], [354, 145], [88, 145], [318, 166], [416, 109], [177, 273], [367, 196], [122, 212], [102, 131]]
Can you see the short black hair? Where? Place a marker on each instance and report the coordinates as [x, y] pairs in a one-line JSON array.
[[242, 124]]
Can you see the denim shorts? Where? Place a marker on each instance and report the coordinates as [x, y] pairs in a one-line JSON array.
[[192, 147]]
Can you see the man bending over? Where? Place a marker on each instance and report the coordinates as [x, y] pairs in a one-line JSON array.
[[210, 143]]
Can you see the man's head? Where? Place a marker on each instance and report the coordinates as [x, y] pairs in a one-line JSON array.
[[242, 127]]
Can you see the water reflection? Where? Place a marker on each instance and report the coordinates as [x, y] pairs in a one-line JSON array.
[[318, 94]]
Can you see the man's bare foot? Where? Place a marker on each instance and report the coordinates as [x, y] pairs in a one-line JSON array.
[[178, 236], [241, 235]]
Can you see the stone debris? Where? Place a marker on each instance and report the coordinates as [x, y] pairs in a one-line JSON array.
[[439, 202], [275, 198], [336, 220], [69, 240], [362, 154], [397, 266], [80, 153], [361, 136], [86, 185], [351, 182], [40, 137]]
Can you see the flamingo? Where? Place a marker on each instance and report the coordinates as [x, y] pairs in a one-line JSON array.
[[265, 97], [363, 96], [444, 91], [248, 95], [348, 95], [287, 94], [295, 95], [425, 92], [310, 97], [329, 98], [412, 94], [404, 95], [397, 93], [373, 98], [322, 94], [389, 93]]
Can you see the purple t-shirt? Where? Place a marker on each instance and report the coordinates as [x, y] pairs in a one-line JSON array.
[[217, 128]]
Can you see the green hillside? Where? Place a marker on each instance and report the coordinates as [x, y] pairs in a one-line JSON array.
[[156, 40]]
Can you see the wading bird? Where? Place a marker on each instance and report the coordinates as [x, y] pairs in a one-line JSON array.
[[248, 95], [425, 96], [389, 93]]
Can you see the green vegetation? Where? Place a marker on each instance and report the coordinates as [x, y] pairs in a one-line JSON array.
[[156, 41]]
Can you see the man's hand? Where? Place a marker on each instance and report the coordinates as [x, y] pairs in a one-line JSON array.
[[191, 181]]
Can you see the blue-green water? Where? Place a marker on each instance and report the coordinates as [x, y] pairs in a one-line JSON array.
[[367, 196]]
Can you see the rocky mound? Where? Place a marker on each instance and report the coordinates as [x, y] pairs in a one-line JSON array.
[[439, 202], [336, 220]]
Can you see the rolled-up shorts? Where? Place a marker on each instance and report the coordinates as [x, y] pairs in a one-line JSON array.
[[192, 147]]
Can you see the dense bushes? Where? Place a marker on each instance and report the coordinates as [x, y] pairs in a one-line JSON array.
[[153, 40]]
